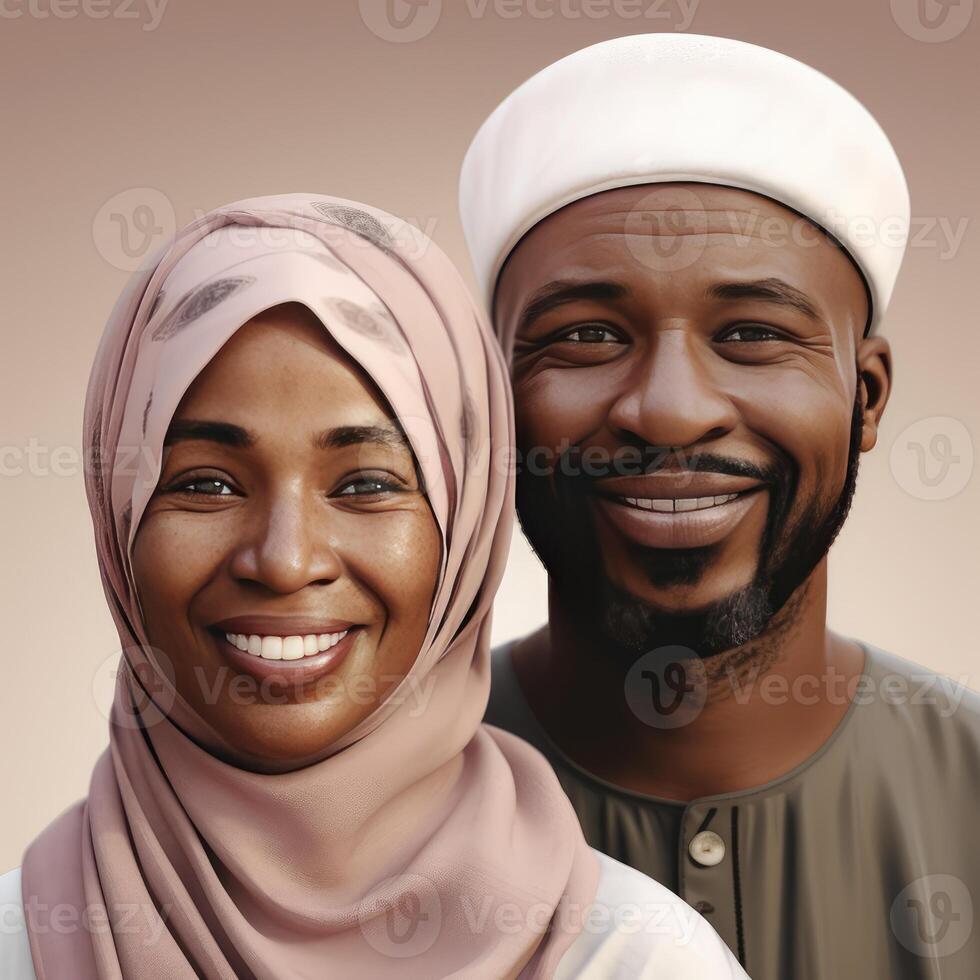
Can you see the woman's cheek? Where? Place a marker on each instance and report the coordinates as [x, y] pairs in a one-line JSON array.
[[174, 558], [395, 557], [392, 560], [187, 545]]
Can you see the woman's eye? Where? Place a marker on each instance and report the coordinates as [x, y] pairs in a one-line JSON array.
[[749, 333], [367, 485], [589, 333], [211, 483]]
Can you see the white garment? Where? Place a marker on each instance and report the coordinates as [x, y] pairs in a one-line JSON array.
[[649, 934], [15, 950], [639, 930]]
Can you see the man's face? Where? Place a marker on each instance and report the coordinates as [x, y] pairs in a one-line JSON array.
[[693, 351]]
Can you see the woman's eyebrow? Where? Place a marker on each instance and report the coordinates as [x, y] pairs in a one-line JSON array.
[[237, 437], [389, 435]]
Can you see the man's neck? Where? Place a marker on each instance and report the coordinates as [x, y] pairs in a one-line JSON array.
[[760, 710]]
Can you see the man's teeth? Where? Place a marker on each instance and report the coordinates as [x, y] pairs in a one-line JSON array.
[[284, 647], [681, 503]]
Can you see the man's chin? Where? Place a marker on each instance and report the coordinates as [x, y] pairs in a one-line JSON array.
[[706, 621], [687, 601]]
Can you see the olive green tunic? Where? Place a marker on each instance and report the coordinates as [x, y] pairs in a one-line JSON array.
[[861, 863]]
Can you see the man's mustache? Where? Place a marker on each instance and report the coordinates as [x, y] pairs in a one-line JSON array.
[[589, 464]]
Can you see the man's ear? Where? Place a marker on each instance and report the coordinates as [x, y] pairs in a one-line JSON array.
[[874, 378]]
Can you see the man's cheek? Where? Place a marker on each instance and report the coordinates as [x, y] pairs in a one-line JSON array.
[[818, 444], [556, 428]]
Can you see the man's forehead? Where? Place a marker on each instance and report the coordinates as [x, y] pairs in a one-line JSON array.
[[703, 225], [669, 234], [676, 209]]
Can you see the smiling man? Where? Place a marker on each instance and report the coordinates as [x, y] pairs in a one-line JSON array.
[[688, 245]]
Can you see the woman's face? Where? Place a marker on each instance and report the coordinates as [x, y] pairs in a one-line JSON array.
[[288, 510]]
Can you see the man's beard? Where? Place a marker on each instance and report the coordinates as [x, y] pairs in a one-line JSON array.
[[555, 513]]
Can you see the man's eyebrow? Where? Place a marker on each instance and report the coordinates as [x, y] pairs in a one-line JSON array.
[[228, 434], [562, 291], [770, 290]]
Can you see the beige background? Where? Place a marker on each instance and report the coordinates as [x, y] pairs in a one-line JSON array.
[[227, 99]]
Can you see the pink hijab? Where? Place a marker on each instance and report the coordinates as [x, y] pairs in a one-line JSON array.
[[422, 844]]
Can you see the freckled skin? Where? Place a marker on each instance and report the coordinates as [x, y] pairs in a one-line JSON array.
[[287, 530], [670, 365]]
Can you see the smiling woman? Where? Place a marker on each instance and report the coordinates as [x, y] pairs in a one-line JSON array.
[[290, 534], [296, 421]]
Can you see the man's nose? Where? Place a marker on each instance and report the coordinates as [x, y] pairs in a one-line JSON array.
[[672, 397], [291, 541]]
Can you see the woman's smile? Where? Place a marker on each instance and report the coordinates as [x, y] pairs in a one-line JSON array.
[[282, 638], [295, 659]]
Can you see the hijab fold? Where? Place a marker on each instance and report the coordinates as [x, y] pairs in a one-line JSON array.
[[415, 842]]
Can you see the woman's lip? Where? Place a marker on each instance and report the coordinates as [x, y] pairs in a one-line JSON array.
[[680, 529], [293, 672], [280, 625]]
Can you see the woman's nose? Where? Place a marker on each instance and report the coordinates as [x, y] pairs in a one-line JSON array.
[[290, 542]]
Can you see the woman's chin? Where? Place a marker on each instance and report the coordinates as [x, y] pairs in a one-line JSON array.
[[272, 758], [269, 741]]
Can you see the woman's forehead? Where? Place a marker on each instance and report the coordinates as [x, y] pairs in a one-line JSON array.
[[280, 372]]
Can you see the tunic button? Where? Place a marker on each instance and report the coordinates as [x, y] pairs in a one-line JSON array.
[[707, 849]]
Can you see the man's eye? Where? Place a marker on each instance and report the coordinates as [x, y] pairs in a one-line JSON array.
[[749, 333], [589, 333], [211, 482]]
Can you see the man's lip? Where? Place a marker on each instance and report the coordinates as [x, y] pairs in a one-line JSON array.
[[666, 485], [280, 625], [680, 529]]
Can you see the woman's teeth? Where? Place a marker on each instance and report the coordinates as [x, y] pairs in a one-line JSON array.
[[284, 647], [668, 506]]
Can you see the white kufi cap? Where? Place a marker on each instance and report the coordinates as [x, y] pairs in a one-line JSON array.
[[648, 108]]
